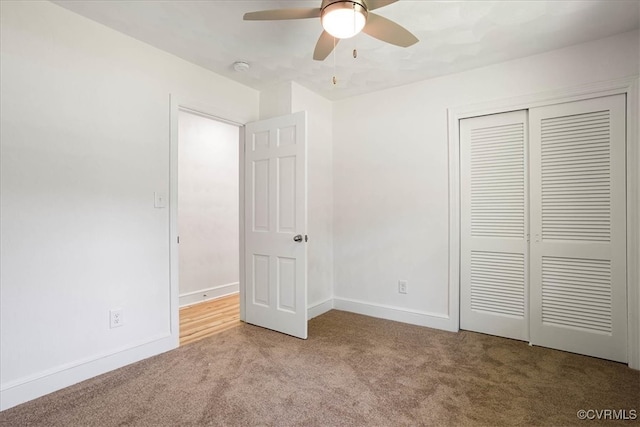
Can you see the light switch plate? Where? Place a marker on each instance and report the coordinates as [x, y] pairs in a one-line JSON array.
[[160, 199]]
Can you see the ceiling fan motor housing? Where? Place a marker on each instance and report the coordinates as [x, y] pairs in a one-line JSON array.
[[347, 3]]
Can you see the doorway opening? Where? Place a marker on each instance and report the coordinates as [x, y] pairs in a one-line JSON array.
[[208, 225]]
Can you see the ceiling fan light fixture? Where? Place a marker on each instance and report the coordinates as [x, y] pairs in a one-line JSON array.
[[344, 19]]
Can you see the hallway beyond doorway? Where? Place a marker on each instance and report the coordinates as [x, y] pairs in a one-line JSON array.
[[208, 318]]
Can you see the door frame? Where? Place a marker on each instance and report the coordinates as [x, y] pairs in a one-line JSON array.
[[629, 87], [194, 106]]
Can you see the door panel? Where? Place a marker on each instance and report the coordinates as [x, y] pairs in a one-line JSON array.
[[260, 195], [260, 280], [287, 194], [493, 272], [286, 284], [275, 212], [578, 222]]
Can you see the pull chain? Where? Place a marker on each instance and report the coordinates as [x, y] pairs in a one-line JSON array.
[[335, 80], [355, 43]]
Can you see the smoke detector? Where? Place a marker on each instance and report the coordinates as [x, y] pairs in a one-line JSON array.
[[241, 66]]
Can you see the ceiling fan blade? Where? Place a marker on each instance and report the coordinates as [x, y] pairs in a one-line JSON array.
[[279, 14], [388, 31], [325, 45], [377, 4]]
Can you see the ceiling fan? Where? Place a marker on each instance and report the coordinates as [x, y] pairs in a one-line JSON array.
[[342, 19]]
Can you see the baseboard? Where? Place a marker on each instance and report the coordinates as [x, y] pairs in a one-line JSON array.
[[413, 317], [316, 309], [26, 389], [208, 294]]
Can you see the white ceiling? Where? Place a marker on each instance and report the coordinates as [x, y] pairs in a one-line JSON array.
[[454, 36]]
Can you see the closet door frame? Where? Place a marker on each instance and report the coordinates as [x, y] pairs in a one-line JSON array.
[[627, 86]]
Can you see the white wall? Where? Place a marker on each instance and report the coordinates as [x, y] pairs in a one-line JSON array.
[[390, 172], [208, 209], [84, 146], [287, 98], [320, 196], [276, 101]]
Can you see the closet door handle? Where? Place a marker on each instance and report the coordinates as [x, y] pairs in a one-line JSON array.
[[297, 238]]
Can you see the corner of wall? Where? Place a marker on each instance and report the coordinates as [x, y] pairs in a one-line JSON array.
[[320, 191], [276, 100], [316, 309]]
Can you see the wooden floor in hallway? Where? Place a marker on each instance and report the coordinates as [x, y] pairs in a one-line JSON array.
[[208, 318]]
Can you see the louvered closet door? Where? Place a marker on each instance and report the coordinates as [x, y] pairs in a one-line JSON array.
[[578, 225], [493, 273]]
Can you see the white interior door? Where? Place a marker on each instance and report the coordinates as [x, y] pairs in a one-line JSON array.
[[578, 224], [494, 248], [276, 224]]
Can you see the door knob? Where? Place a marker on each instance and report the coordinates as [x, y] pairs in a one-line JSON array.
[[297, 238]]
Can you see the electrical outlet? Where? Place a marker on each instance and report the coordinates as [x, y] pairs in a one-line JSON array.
[[402, 287], [116, 317]]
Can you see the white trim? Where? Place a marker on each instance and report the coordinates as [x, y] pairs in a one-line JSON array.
[[241, 233], [177, 104], [174, 289], [413, 317], [628, 86], [204, 109], [208, 294], [453, 137], [318, 308], [45, 382], [633, 226]]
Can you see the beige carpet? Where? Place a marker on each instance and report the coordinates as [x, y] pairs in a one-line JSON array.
[[353, 370]]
